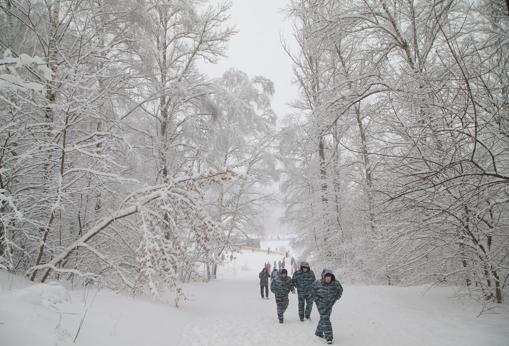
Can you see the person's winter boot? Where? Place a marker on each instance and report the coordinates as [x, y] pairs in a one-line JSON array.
[[329, 342], [302, 319], [280, 320], [319, 335]]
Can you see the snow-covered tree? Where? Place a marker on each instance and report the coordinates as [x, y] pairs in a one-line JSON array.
[[417, 92], [242, 136], [112, 149]]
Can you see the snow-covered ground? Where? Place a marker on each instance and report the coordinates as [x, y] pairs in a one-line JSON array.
[[230, 311]]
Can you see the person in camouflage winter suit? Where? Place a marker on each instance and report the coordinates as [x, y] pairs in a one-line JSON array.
[[281, 286], [303, 280], [325, 293]]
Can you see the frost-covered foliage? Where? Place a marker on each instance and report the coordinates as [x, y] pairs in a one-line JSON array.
[[10, 80], [242, 135], [176, 234], [401, 146], [107, 160], [13, 84], [60, 156]]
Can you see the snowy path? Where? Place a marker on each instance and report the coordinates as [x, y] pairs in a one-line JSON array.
[[240, 317], [392, 316], [230, 311]]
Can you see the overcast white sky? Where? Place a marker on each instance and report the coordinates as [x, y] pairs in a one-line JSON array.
[[257, 50]]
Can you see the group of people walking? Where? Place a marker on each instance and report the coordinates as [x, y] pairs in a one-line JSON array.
[[323, 292]]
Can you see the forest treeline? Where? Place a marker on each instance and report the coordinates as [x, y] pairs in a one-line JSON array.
[[122, 162]]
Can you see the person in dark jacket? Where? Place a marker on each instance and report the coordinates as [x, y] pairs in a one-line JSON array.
[[281, 287], [326, 292], [303, 280], [264, 282]]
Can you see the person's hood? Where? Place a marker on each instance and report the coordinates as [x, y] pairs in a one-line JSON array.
[[304, 265], [323, 272], [326, 272]]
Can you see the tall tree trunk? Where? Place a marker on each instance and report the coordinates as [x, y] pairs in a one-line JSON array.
[[368, 179], [51, 94], [464, 262], [336, 181]]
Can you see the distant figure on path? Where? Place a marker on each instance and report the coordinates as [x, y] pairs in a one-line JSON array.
[[326, 292], [267, 266], [303, 281], [274, 274], [281, 287], [264, 282]]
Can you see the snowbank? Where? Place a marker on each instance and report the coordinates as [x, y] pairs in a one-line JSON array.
[[48, 295], [31, 314], [229, 311]]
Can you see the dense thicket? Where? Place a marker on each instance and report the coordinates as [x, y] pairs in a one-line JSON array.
[[397, 157], [120, 161]]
